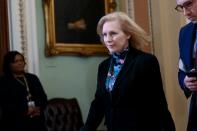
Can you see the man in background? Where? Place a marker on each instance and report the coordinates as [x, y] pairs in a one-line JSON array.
[[187, 74]]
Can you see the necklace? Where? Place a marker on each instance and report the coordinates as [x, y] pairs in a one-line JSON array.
[[23, 81]]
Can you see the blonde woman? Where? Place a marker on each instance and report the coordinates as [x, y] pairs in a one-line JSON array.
[[129, 87]]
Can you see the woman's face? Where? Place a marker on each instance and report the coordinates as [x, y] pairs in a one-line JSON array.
[[18, 65], [114, 38]]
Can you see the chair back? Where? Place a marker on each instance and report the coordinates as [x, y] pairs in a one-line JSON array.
[[63, 115]]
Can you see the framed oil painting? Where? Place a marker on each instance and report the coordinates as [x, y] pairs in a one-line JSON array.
[[70, 26]]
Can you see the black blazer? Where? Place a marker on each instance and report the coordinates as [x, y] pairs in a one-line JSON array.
[[137, 102]]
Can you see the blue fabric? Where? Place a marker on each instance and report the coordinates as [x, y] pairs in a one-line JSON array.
[[194, 129], [117, 62]]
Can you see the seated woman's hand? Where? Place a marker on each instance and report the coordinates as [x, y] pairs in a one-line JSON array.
[[33, 111]]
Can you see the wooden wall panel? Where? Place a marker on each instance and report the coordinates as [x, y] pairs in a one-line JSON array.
[[4, 31]]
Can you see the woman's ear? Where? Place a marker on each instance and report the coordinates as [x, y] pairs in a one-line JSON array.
[[128, 36]]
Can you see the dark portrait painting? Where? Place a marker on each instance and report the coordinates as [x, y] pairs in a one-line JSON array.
[[76, 20], [70, 26]]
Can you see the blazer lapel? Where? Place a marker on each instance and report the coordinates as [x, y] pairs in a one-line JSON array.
[[118, 89], [127, 65], [187, 45]]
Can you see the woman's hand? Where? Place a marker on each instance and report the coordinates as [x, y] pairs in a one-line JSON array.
[[33, 111]]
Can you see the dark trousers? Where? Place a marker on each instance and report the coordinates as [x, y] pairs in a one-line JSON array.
[[194, 129]]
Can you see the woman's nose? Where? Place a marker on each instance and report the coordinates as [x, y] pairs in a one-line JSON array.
[[109, 38]]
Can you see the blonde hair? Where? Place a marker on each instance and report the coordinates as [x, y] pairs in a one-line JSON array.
[[138, 38]]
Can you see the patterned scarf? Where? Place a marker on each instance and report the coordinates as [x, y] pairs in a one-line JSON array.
[[117, 62]]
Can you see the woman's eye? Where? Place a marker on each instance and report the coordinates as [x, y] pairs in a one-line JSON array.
[[113, 33], [110, 34], [104, 34]]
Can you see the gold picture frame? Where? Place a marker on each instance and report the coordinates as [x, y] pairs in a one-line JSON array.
[[54, 47]]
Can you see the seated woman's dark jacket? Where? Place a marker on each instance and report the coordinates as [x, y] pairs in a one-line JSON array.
[[13, 103]]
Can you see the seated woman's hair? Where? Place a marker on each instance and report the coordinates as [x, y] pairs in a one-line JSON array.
[[8, 60]]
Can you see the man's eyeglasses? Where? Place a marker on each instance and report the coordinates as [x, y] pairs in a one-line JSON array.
[[185, 5]]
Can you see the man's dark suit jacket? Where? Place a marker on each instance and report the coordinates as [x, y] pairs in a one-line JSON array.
[[137, 102], [186, 63]]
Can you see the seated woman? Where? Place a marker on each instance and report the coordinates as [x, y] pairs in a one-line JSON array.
[[22, 97]]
